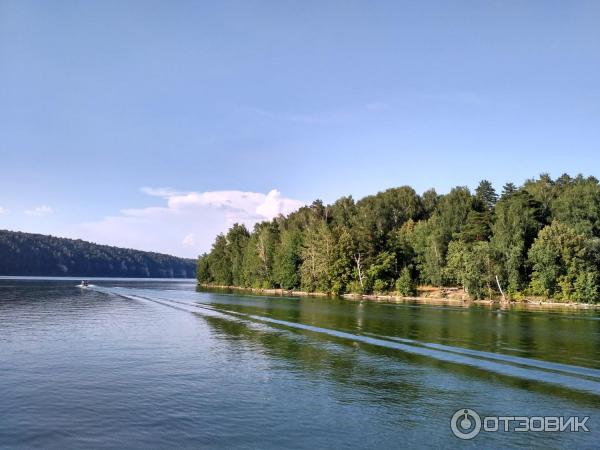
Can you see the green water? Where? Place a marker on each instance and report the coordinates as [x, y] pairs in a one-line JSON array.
[[156, 364]]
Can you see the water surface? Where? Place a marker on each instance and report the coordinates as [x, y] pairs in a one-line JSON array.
[[156, 364]]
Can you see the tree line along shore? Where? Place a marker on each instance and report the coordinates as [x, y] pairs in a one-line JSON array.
[[539, 241], [29, 254]]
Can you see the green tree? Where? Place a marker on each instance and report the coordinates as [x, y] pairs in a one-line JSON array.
[[578, 204], [203, 270], [429, 247], [472, 266], [485, 195], [342, 272], [429, 200], [477, 227], [453, 211], [378, 215], [342, 212], [237, 240], [508, 189], [400, 243], [220, 262], [586, 286], [405, 284], [517, 220], [543, 191], [380, 274], [288, 259], [561, 268], [317, 258], [259, 255]]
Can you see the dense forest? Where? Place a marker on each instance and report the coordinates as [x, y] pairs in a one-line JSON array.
[[37, 254], [541, 239]]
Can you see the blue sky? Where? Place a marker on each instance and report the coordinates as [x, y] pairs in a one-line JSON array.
[[216, 100]]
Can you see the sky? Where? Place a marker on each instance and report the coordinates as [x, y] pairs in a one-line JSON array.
[[157, 124]]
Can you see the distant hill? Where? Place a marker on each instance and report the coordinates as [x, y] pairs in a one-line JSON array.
[[40, 255]]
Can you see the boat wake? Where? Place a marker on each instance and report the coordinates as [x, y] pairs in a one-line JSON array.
[[578, 378]]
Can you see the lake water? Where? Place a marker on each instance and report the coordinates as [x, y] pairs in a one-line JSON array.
[[156, 364]]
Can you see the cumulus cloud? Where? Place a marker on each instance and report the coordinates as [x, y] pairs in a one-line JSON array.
[[187, 222], [42, 210]]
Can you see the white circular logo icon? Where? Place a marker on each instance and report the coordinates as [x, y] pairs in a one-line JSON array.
[[465, 424]]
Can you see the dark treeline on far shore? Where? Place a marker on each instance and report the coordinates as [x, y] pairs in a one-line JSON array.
[[540, 239], [40, 255]]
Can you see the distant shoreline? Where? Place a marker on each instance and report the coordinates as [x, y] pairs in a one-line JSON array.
[[421, 299], [32, 254], [86, 277]]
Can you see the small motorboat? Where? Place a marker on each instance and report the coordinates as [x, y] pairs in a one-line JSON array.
[[83, 284]]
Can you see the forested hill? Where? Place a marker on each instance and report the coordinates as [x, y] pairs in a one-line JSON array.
[[540, 239], [37, 254]]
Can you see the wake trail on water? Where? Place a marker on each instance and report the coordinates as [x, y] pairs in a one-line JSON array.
[[568, 376], [539, 364]]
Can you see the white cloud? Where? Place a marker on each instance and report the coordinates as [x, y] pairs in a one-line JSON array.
[[164, 192], [187, 223], [189, 240], [3, 210], [39, 211]]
